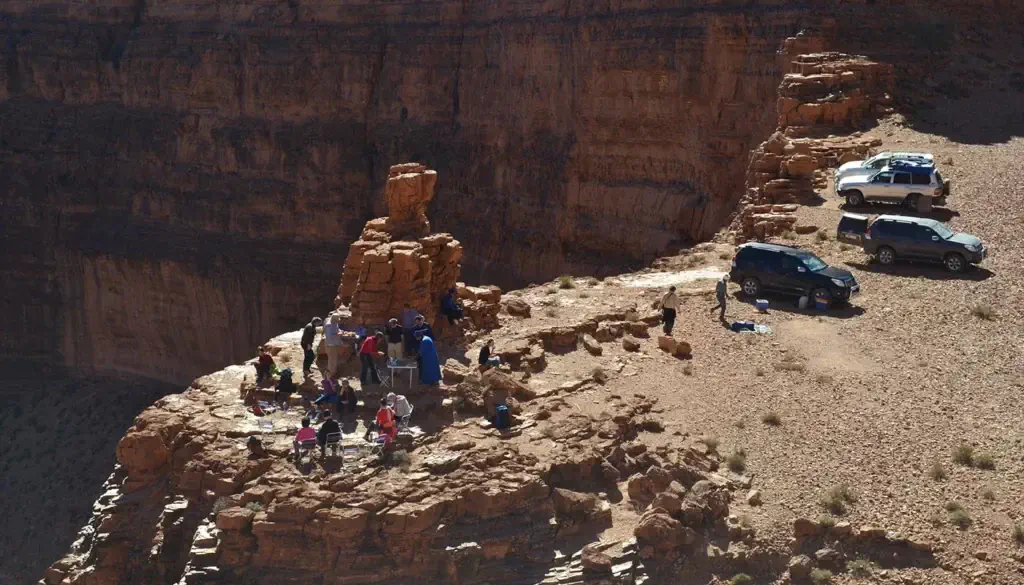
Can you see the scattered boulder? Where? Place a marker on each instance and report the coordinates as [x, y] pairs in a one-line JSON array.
[[236, 519], [453, 372], [804, 527], [827, 556], [517, 307], [667, 501], [630, 344], [594, 561], [754, 497], [800, 566], [660, 530], [680, 349], [591, 345], [805, 229]]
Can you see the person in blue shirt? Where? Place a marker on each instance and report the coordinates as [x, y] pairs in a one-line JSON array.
[[450, 306]]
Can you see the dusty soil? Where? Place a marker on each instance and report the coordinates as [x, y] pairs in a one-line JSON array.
[[54, 456]]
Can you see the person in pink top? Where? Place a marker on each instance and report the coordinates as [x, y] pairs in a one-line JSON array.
[[306, 433]]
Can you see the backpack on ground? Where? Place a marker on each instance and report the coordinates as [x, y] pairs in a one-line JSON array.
[[501, 417]]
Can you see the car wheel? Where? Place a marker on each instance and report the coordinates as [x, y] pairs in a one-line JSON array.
[[854, 199], [751, 286], [911, 200], [822, 295], [886, 256], [954, 262]]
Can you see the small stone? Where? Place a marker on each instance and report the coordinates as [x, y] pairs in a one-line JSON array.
[[982, 555], [804, 527], [595, 561], [828, 556], [630, 344], [842, 529], [754, 497]]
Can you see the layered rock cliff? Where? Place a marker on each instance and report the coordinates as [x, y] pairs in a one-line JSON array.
[[182, 179]]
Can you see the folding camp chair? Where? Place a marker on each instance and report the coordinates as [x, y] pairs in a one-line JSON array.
[[333, 444], [403, 423], [379, 446], [306, 447], [266, 432]]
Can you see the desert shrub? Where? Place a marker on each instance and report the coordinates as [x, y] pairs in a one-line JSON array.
[[983, 311], [963, 454], [736, 461], [821, 577], [836, 499], [960, 518], [400, 459], [254, 506], [822, 236], [741, 579], [771, 419], [688, 370], [984, 461], [566, 282], [725, 255], [584, 295], [988, 494], [826, 522], [845, 247], [599, 375], [823, 379], [710, 442], [221, 504]]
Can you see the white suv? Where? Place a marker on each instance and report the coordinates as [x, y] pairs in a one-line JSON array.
[[903, 182], [878, 162]]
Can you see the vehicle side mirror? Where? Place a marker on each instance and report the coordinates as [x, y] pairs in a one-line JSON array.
[[801, 269], [935, 238]]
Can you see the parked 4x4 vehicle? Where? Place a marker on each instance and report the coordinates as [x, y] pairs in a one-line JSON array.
[[790, 270], [901, 182], [878, 162], [894, 237]]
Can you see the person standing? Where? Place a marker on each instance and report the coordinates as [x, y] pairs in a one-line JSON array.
[[368, 351], [721, 288], [394, 336], [334, 341], [669, 305], [430, 365], [308, 337]]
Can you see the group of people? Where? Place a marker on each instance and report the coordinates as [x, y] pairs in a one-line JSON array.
[[670, 304], [413, 336], [394, 410], [306, 433]]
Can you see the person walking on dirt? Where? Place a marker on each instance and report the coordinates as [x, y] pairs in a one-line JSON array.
[[308, 337], [370, 350], [669, 304], [334, 341], [721, 288]]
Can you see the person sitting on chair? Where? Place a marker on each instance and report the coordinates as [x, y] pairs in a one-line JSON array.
[[450, 306], [306, 433], [285, 386], [486, 360], [264, 364], [400, 406], [329, 427], [329, 395], [386, 421], [348, 397]]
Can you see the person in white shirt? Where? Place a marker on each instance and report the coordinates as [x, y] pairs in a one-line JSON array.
[[334, 342], [669, 304]]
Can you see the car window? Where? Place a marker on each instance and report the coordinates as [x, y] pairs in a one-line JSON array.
[[893, 229], [878, 162], [921, 179], [881, 178], [902, 178], [788, 263], [925, 233], [813, 263], [938, 178], [944, 232]]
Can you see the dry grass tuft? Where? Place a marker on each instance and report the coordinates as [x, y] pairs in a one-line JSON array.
[[821, 577], [988, 494], [822, 236], [710, 442], [688, 370], [984, 461], [599, 375], [862, 568], [550, 312], [741, 579], [984, 311], [826, 522], [960, 518], [963, 455], [836, 499], [566, 282], [937, 472], [771, 419], [254, 506], [725, 255], [737, 461]]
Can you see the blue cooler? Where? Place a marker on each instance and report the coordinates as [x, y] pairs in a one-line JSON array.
[[762, 305], [821, 305]]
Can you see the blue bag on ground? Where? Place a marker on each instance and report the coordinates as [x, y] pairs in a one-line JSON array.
[[501, 418]]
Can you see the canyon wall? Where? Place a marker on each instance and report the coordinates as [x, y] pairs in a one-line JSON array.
[[181, 179]]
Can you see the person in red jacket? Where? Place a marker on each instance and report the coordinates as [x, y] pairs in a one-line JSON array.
[[386, 421], [369, 350]]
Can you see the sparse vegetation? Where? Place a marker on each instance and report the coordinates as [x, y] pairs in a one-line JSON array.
[[790, 365], [599, 375], [737, 461], [400, 459], [822, 236], [960, 518], [845, 247], [860, 567], [937, 472], [823, 379], [584, 294], [984, 461], [694, 260], [551, 291], [1018, 533], [550, 312], [724, 255], [688, 370], [741, 579], [826, 522], [953, 506], [710, 442], [788, 235], [771, 418], [220, 504], [821, 577], [935, 519], [566, 282], [963, 455], [983, 311], [254, 506], [836, 499], [988, 494]]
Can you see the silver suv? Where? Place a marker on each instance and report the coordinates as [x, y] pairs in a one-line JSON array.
[[902, 182]]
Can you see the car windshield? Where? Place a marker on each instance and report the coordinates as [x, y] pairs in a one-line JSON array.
[[944, 232], [872, 162], [812, 262]]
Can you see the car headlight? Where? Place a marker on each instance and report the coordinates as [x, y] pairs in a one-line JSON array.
[[973, 247], [839, 283]]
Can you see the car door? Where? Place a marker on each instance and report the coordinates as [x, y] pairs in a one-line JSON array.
[[901, 238], [792, 274], [879, 186], [900, 187], [927, 244]]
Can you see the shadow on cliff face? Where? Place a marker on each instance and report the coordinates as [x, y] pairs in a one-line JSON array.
[[59, 436]]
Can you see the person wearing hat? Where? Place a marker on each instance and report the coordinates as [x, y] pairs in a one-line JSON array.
[[334, 341], [393, 332]]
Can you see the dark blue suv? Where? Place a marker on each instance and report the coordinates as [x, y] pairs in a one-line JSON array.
[[790, 270]]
